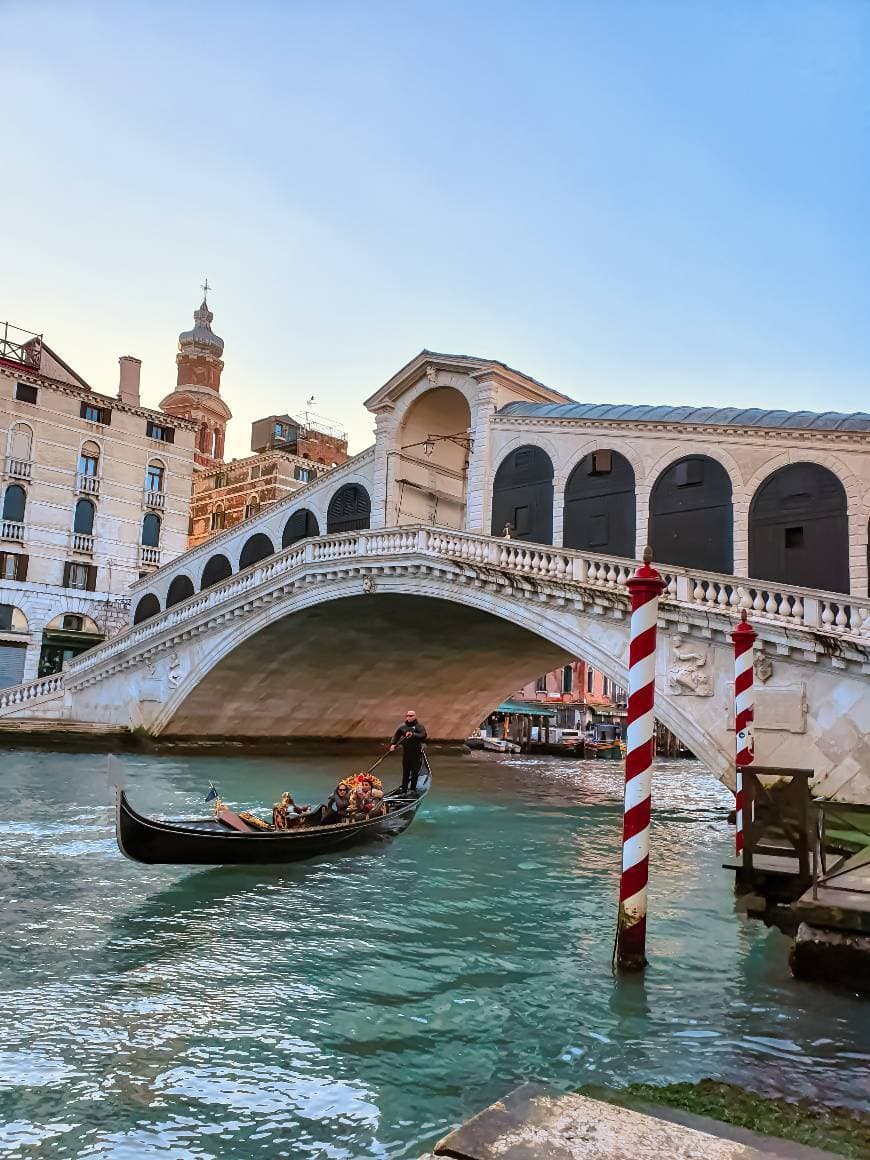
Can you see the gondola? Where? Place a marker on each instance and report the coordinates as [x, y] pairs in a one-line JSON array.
[[209, 842]]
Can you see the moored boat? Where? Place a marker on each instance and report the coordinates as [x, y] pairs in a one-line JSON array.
[[211, 842]]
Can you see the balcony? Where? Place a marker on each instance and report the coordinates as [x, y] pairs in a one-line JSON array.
[[20, 346], [149, 557], [87, 484], [82, 543], [18, 468], [12, 530], [154, 499]]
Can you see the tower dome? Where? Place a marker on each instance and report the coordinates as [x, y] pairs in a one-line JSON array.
[[201, 339]]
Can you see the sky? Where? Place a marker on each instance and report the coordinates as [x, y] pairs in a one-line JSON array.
[[629, 200]]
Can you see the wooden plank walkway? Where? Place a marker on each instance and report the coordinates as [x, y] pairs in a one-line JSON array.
[[842, 899]]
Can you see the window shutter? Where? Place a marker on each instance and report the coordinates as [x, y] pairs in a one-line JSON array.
[[66, 569], [21, 562], [106, 416], [170, 434], [92, 578]]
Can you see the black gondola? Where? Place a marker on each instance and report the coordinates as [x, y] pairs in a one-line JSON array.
[[208, 842]]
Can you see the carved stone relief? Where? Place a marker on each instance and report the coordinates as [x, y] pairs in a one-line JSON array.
[[688, 672]]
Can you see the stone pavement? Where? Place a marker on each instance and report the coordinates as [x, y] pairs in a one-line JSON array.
[[538, 1123]]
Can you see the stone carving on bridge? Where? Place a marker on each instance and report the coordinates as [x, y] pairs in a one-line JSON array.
[[688, 672], [175, 670], [368, 584], [763, 666]]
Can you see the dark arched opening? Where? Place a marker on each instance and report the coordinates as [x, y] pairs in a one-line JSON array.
[[218, 568], [147, 607], [180, 588], [691, 521], [151, 531], [599, 511], [799, 529], [300, 525], [257, 548], [522, 496], [350, 509], [83, 520], [14, 502]]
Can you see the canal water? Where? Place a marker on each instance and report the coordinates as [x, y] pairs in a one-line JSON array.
[[362, 1005]]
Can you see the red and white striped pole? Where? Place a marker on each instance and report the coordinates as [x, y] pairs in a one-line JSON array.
[[744, 704], [645, 587]]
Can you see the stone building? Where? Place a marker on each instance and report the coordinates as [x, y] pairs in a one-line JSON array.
[[94, 491], [579, 694]]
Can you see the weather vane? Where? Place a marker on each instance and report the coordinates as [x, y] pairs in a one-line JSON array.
[[205, 289]]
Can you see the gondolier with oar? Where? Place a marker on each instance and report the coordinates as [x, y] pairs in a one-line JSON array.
[[410, 735]]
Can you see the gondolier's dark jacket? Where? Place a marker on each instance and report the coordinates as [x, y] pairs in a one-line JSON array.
[[412, 744]]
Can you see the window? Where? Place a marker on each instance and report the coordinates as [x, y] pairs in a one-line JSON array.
[[157, 431], [13, 566], [252, 507], [83, 521], [794, 537], [6, 611], [304, 474], [89, 459], [689, 473], [81, 576], [24, 393], [567, 679], [73, 623], [154, 476], [220, 480], [541, 684], [13, 503], [255, 472], [279, 430], [605, 687], [218, 520], [96, 414], [600, 463], [590, 680], [151, 531], [21, 443]]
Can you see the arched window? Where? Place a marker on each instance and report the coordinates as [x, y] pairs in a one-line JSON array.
[[691, 521], [155, 473], [217, 520], [300, 525], [252, 507], [83, 522], [799, 529], [89, 460], [349, 510], [151, 531], [147, 607], [522, 496], [257, 548], [218, 568], [600, 505], [180, 588], [21, 442], [14, 500]]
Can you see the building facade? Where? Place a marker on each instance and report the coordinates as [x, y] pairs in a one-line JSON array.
[[580, 695], [94, 494]]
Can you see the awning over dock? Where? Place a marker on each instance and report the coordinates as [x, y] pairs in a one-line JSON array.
[[530, 708]]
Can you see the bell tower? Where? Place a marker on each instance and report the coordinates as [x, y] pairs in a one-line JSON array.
[[197, 391]]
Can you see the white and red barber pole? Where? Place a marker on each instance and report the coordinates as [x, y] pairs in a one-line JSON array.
[[744, 702], [645, 587]]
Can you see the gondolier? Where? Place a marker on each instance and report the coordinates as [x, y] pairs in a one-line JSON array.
[[410, 735]]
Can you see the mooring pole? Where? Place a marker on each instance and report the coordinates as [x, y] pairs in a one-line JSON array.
[[744, 707], [645, 586]]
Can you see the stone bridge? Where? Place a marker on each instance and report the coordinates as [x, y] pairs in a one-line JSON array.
[[334, 635]]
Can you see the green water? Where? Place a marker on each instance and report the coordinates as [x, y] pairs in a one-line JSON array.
[[362, 1005]]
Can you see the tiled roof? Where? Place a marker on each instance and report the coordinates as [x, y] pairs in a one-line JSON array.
[[716, 416]]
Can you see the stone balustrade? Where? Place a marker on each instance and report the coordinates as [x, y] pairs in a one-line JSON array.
[[12, 530], [31, 690], [19, 468]]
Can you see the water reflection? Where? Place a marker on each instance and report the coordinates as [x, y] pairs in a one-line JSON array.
[[359, 1005]]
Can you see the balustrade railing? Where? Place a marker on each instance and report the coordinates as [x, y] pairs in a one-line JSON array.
[[149, 557], [82, 543], [88, 484], [827, 613], [154, 499], [30, 690], [12, 530], [19, 468]]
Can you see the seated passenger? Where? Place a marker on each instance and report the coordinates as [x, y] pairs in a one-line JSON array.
[[338, 805], [366, 801]]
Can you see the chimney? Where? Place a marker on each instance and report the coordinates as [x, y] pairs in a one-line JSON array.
[[128, 391]]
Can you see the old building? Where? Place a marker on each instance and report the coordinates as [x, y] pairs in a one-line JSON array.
[[579, 694], [95, 491], [288, 455]]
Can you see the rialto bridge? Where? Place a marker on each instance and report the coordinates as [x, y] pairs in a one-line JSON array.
[[485, 538]]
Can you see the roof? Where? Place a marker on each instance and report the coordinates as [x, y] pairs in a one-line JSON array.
[[532, 708], [706, 416]]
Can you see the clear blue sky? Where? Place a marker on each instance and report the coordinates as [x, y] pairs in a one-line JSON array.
[[638, 201]]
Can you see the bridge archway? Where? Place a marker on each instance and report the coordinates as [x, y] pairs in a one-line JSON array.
[[217, 568], [799, 529], [429, 475], [600, 505], [147, 607], [350, 509], [522, 495], [257, 548], [301, 525], [691, 516], [180, 589]]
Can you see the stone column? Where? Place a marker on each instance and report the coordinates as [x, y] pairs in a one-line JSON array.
[[478, 496], [741, 535], [642, 494], [385, 439]]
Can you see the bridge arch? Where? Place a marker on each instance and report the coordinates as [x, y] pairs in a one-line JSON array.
[[148, 606], [429, 478], [350, 509], [691, 515], [217, 568], [180, 589], [799, 528], [301, 524], [256, 548], [600, 504], [522, 495]]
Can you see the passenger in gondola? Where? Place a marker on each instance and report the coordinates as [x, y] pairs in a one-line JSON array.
[[338, 805], [366, 802], [410, 735]]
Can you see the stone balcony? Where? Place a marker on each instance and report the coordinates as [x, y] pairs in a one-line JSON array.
[[82, 543], [149, 557], [19, 468], [88, 484], [154, 499], [12, 530]]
